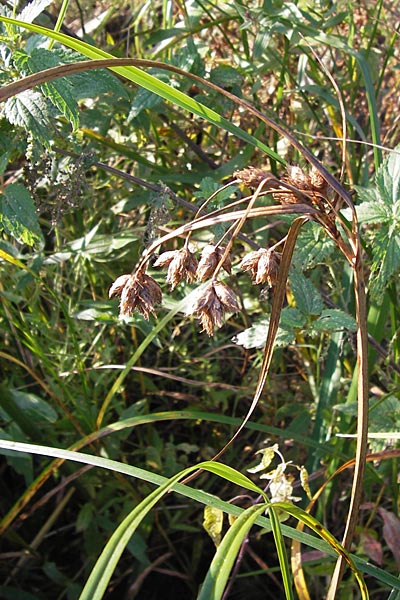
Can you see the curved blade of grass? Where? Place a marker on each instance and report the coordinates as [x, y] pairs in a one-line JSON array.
[[198, 496], [149, 82], [218, 574], [304, 517], [153, 418]]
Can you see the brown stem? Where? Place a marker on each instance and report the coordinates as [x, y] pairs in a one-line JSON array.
[[362, 421]]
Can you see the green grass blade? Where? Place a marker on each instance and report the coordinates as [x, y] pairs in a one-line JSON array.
[[281, 552], [102, 572], [217, 576], [150, 83], [316, 526], [206, 499]]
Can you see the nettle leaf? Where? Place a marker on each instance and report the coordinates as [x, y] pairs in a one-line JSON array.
[[226, 76], [382, 206], [313, 246], [59, 91], [33, 10], [96, 83], [308, 299], [334, 319], [30, 111], [18, 214], [256, 335]]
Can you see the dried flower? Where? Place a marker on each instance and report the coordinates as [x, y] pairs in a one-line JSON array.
[[138, 291], [281, 485], [182, 264], [210, 257], [263, 265], [211, 304], [251, 176], [313, 183]]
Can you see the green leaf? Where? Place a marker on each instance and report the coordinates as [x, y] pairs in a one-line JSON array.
[[308, 299], [217, 576], [212, 523], [382, 206], [33, 9], [59, 92], [18, 215], [256, 335], [30, 111], [150, 83], [334, 319], [313, 246]]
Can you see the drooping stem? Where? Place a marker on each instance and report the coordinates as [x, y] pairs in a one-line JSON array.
[[362, 419]]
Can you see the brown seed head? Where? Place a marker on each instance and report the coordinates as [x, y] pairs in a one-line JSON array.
[[210, 257], [182, 264], [251, 176], [118, 286], [263, 266], [138, 291], [212, 303]]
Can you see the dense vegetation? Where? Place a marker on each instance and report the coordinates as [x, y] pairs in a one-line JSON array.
[[160, 216]]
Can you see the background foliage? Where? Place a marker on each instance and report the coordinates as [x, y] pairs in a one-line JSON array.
[[93, 169]]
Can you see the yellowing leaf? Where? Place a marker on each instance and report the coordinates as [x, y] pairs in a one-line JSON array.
[[213, 521]]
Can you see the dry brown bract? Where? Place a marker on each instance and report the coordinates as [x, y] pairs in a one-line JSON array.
[[182, 264], [138, 291], [252, 176], [210, 257], [263, 266], [313, 184], [211, 304]]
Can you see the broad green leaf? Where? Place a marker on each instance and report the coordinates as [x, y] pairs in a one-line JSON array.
[[59, 92], [30, 111], [18, 215], [150, 83], [226, 76], [382, 206], [33, 9], [308, 299], [313, 246], [256, 335], [334, 319], [33, 407]]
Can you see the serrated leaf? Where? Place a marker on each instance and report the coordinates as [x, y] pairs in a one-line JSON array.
[[256, 335], [313, 247], [96, 83], [33, 10], [18, 214], [382, 206], [225, 76], [59, 91], [308, 299], [334, 319], [30, 111]]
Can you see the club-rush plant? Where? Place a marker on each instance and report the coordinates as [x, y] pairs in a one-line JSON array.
[[298, 194]]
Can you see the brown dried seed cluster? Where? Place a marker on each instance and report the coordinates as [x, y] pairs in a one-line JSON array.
[[312, 182], [210, 257], [182, 264], [251, 176], [263, 265], [212, 303], [138, 291]]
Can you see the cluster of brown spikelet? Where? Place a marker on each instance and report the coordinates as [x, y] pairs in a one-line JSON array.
[[139, 291]]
